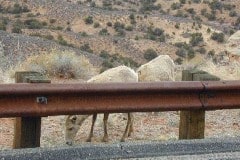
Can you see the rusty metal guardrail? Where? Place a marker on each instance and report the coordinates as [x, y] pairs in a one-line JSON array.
[[63, 99]]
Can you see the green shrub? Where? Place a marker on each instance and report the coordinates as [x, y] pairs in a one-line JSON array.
[[17, 9], [30, 15], [219, 37], [17, 27], [121, 32], [232, 13], [86, 48], [109, 24], [191, 11], [84, 34], [104, 54], [150, 54], [211, 53], [176, 5], [103, 32], [88, 20], [148, 5], [3, 26], [33, 24], [182, 1], [216, 5], [52, 21], [196, 1], [131, 16], [179, 61], [118, 25], [92, 4], [96, 25], [195, 39], [49, 37], [129, 28], [107, 64]]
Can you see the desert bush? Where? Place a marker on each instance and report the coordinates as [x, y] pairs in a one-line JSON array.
[[232, 13], [121, 33], [109, 24], [180, 14], [49, 37], [229, 6], [184, 50], [17, 27], [52, 21], [103, 32], [30, 15], [155, 34], [86, 48], [191, 11], [179, 61], [201, 50], [132, 16], [148, 5], [219, 37], [96, 25], [216, 5], [61, 40], [116, 60], [106, 4], [118, 25], [177, 25], [196, 1], [2, 26], [59, 64], [88, 20], [33, 24], [17, 9], [129, 28], [211, 53], [84, 34], [195, 39], [182, 1], [176, 5], [150, 54], [92, 4]]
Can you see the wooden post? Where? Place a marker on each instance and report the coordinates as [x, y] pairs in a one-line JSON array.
[[192, 123], [27, 130]]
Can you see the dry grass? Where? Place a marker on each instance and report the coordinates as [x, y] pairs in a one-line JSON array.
[[60, 64]]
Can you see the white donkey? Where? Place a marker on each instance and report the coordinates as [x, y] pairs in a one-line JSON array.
[[74, 122]]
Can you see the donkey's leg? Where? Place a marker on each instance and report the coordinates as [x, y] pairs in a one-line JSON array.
[[91, 132], [129, 127], [105, 120]]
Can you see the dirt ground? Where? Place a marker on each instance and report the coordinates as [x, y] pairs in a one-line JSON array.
[[148, 127]]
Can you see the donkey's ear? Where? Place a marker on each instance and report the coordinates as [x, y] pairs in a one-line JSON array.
[[73, 119]]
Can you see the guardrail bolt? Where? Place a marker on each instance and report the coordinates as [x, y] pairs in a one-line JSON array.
[[42, 100]]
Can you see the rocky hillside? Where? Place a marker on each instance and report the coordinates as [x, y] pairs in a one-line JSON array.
[[114, 32]]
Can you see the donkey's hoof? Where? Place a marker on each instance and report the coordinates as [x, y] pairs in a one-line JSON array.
[[105, 139], [122, 140], [89, 140]]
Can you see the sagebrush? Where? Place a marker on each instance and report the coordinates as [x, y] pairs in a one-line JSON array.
[[63, 64]]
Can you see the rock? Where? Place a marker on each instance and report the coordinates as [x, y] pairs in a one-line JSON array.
[[233, 44]]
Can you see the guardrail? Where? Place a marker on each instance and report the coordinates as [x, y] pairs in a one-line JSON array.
[[63, 99], [31, 101]]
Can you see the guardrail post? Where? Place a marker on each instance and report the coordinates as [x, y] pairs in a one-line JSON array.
[[27, 130], [192, 123]]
